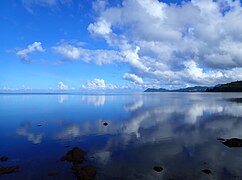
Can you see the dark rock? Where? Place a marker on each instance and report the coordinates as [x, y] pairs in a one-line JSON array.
[[105, 123], [84, 173], [39, 125], [233, 142], [206, 171], [63, 158], [92, 157], [9, 170], [76, 156], [3, 158], [158, 168], [220, 139], [67, 146], [53, 173]]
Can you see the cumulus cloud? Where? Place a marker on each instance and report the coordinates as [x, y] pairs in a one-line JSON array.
[[101, 27], [100, 57], [24, 53], [133, 78], [62, 86], [196, 42], [68, 51], [100, 84]]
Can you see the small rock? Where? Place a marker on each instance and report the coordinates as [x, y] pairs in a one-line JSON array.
[[158, 168], [92, 157], [86, 172], [206, 171], [76, 156], [9, 170], [3, 158], [105, 123], [67, 146], [233, 142], [53, 173], [39, 125]]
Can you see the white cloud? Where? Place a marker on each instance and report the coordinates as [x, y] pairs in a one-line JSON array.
[[95, 84], [28, 4], [99, 5], [35, 47], [98, 84], [133, 78], [62, 86], [101, 27], [68, 51], [100, 57], [195, 42]]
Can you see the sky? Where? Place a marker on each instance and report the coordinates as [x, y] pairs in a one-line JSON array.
[[119, 44]]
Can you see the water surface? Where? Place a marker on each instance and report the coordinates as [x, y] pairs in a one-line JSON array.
[[177, 131]]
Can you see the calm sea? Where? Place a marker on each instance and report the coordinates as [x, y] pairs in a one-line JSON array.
[[176, 131]]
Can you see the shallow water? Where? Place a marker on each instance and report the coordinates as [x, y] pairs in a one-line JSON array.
[[177, 131]]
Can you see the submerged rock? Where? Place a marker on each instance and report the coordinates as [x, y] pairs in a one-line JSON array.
[[158, 168], [105, 123], [53, 173], [39, 125], [3, 158], [76, 156], [84, 173], [206, 171], [233, 142], [9, 170]]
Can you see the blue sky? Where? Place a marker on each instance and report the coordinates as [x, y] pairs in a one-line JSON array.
[[115, 45]]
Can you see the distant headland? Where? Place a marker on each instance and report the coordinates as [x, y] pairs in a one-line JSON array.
[[235, 86]]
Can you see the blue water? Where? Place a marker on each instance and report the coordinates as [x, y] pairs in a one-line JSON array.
[[177, 131]]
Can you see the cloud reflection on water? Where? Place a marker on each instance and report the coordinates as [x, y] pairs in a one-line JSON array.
[[95, 100], [62, 98], [172, 132], [177, 131], [34, 138]]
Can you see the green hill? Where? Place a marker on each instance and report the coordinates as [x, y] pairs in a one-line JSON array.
[[229, 87], [189, 89]]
